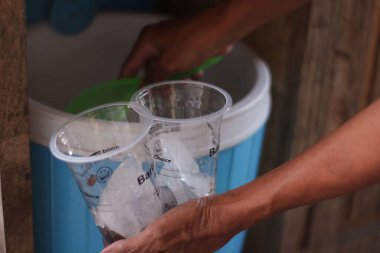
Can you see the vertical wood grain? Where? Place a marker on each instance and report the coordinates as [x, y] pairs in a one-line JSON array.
[[337, 76], [282, 44], [361, 231], [14, 142], [327, 73]]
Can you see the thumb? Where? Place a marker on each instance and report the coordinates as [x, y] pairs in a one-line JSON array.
[[133, 244], [117, 247], [122, 246]]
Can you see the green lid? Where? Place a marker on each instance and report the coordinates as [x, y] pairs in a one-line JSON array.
[[123, 89]]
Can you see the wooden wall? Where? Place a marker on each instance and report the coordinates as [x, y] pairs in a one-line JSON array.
[[325, 60], [15, 184]]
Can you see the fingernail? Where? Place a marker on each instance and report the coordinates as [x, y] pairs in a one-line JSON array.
[[229, 48]]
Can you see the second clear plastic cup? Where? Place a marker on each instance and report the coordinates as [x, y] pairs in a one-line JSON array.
[[185, 136], [106, 151]]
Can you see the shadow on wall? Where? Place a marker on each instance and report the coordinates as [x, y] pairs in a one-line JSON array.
[[73, 16]]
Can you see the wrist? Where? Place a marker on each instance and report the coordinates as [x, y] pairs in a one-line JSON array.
[[241, 208]]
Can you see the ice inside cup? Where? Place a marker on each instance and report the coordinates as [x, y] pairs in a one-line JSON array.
[[106, 151]]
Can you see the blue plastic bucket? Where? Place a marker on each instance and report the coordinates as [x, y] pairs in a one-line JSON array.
[[60, 67]]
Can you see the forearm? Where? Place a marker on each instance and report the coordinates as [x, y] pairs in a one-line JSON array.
[[345, 161], [233, 19]]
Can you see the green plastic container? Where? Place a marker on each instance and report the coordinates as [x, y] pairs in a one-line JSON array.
[[123, 89]]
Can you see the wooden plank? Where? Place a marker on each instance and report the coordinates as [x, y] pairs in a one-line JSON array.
[[336, 80], [14, 142], [282, 44], [361, 232], [375, 91]]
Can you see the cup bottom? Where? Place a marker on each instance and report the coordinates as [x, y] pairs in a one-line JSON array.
[[109, 236]]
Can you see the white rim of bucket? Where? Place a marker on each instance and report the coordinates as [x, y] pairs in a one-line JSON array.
[[258, 92], [194, 120], [46, 119], [137, 107], [259, 97]]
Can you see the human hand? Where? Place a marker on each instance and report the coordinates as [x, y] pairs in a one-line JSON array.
[[197, 226], [174, 46], [181, 44]]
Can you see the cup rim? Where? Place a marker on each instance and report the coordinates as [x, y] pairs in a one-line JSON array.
[[200, 119], [142, 110]]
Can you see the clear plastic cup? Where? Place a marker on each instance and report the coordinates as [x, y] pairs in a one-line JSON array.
[[106, 151], [185, 136]]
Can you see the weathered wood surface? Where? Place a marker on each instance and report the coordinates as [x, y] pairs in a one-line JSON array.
[[16, 202], [282, 44], [337, 76], [330, 78]]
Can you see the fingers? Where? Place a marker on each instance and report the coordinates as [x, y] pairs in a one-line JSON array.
[[141, 243], [188, 228], [117, 247], [141, 53], [136, 60], [130, 245], [162, 57], [154, 72], [169, 65], [198, 76]]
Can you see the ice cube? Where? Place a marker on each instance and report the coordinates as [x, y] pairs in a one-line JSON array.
[[176, 187], [168, 198], [127, 204], [173, 149], [199, 184], [180, 172], [191, 186]]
